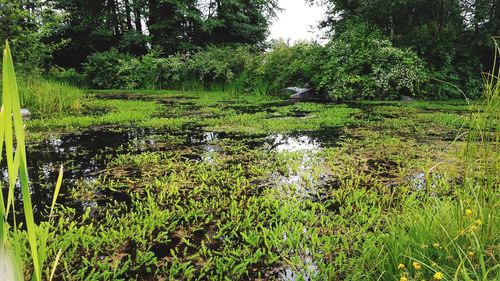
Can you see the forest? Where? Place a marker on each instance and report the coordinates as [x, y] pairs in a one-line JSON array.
[[179, 140]]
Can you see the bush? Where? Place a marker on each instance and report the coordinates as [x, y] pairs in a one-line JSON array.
[[212, 69], [218, 66], [284, 66], [361, 64], [209, 69], [106, 70], [68, 76]]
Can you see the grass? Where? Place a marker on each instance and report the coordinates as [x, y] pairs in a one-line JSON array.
[[46, 97]]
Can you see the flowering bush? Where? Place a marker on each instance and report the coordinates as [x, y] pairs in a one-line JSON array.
[[361, 64]]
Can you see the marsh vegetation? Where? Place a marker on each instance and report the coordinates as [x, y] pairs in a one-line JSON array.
[[161, 143], [176, 185]]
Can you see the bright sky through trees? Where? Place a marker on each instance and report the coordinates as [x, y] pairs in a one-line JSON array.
[[297, 21]]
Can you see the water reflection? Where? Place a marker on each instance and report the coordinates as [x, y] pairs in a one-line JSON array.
[[290, 143], [303, 166]]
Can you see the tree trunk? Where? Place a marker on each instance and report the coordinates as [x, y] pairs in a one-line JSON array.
[[391, 21], [128, 14], [137, 15], [113, 16]]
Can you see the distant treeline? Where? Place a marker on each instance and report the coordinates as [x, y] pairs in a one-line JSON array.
[[65, 32], [376, 49]]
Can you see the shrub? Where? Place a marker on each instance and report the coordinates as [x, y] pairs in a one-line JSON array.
[[68, 76], [214, 67], [172, 71], [361, 64], [284, 66], [105, 70]]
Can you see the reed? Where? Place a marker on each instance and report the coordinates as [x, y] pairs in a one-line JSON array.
[[12, 135]]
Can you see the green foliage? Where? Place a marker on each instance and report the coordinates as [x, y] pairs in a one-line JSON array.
[[209, 69], [173, 26], [284, 66], [450, 237], [358, 64], [453, 238], [45, 97], [26, 28], [256, 194], [12, 132], [102, 70], [361, 64], [67, 76], [453, 37], [218, 65]]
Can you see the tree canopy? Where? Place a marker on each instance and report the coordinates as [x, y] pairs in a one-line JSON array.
[[136, 26], [453, 36]]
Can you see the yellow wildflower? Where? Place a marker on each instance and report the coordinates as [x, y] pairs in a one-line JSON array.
[[403, 278], [438, 275], [401, 266], [473, 228], [470, 254], [479, 222], [417, 265], [436, 245], [469, 213]]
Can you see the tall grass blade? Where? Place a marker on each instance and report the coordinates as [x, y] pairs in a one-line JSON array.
[[57, 189], [12, 106]]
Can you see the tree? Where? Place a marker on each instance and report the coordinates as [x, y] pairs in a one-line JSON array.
[[453, 36], [236, 21], [174, 24], [26, 24]]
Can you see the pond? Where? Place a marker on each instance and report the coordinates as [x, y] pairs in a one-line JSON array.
[[202, 185]]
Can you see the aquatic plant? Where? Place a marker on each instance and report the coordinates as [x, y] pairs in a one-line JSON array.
[[46, 97]]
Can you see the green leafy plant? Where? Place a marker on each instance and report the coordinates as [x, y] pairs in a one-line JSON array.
[[360, 63], [449, 238]]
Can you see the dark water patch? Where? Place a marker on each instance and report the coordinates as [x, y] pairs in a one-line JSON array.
[[179, 103], [308, 270], [251, 108], [163, 250], [122, 96], [95, 111], [83, 156]]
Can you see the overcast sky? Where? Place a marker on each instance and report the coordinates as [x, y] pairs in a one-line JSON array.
[[297, 21]]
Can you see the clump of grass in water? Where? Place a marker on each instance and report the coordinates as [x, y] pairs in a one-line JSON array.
[[455, 237], [45, 97], [12, 131]]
